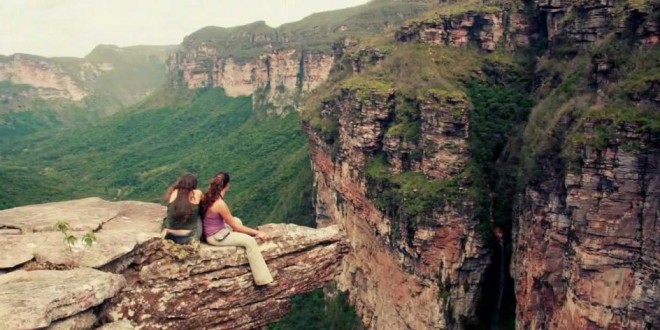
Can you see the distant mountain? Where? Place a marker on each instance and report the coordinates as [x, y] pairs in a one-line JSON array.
[[137, 153], [316, 32], [38, 92]]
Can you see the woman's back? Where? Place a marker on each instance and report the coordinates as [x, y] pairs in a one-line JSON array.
[[213, 222], [187, 218], [177, 220]]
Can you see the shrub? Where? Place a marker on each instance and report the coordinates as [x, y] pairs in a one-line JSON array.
[[76, 246]]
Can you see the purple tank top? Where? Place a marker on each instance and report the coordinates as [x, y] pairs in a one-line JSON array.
[[213, 222]]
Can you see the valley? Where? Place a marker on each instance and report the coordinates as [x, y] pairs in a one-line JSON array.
[[492, 164]]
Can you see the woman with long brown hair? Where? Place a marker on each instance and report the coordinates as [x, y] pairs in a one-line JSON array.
[[183, 222], [223, 229]]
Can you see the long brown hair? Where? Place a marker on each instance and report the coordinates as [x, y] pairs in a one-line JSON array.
[[184, 186], [213, 191]]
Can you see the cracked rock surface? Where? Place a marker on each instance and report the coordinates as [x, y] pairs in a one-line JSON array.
[[131, 278]]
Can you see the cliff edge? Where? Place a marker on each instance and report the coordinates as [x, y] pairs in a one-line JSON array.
[[132, 278]]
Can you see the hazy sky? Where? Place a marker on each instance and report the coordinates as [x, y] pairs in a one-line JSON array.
[[73, 27]]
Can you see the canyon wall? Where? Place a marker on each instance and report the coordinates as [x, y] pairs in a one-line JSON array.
[[278, 79], [487, 29], [421, 272], [101, 83], [586, 252], [48, 79], [585, 233]]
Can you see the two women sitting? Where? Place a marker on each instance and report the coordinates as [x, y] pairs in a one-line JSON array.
[[186, 208]]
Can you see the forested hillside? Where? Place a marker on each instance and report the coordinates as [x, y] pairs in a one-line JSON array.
[[138, 153], [39, 93]]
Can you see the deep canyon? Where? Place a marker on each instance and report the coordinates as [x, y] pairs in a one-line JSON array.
[[488, 164]]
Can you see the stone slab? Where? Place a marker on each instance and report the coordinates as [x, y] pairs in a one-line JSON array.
[[119, 226], [35, 299]]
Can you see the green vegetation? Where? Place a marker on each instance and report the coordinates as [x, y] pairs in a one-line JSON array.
[[315, 311], [86, 242], [315, 33], [21, 186], [113, 77], [136, 71], [496, 121], [595, 119], [138, 153], [409, 196], [460, 7], [366, 85]]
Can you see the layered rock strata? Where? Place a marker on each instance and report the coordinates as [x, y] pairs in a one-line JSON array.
[[47, 78], [280, 76], [214, 288], [488, 30], [587, 252], [426, 273], [34, 299], [580, 22], [144, 281]]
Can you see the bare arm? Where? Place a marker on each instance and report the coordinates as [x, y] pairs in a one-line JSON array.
[[173, 195], [223, 209]]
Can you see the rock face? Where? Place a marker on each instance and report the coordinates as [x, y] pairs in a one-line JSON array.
[[279, 75], [401, 273], [487, 29], [118, 228], [587, 252], [34, 299], [582, 23], [215, 289], [107, 79], [165, 286], [48, 78]]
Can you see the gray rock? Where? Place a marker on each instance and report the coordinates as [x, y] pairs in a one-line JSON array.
[[35, 299], [82, 321], [119, 227]]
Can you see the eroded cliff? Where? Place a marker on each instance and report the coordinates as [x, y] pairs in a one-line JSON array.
[[280, 66], [278, 78], [419, 154], [586, 248], [131, 278], [390, 156]]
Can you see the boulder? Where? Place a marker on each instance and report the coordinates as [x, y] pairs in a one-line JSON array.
[[35, 299], [118, 227]]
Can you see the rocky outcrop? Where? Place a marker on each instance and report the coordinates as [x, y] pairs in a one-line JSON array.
[[119, 227], [587, 252], [34, 299], [582, 23], [402, 273], [444, 133], [165, 286], [488, 29], [280, 76], [214, 288], [49, 79]]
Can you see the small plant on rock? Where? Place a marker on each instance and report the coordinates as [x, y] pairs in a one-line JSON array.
[[76, 246]]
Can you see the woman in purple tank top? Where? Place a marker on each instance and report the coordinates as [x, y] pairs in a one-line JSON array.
[[223, 229]]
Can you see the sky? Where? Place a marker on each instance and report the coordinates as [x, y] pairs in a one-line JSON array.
[[74, 27]]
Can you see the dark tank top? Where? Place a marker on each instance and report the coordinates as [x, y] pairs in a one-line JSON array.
[[193, 223]]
